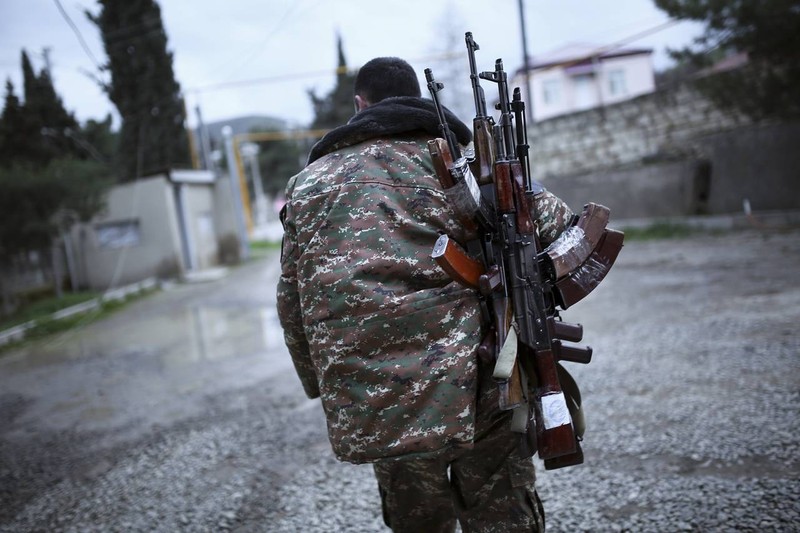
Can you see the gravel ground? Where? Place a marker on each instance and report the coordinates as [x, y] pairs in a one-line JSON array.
[[692, 403]]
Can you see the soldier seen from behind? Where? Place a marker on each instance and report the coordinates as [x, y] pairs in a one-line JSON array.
[[383, 335]]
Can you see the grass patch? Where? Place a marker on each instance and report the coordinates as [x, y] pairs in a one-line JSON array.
[[260, 249], [660, 230], [47, 325], [42, 309], [265, 245]]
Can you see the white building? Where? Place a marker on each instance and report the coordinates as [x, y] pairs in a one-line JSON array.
[[164, 226], [581, 76]]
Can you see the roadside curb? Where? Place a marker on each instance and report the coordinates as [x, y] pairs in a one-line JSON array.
[[765, 220], [18, 332]]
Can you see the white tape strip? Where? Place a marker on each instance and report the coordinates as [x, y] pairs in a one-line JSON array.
[[555, 411]]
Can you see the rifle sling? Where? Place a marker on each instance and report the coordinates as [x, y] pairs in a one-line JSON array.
[[573, 395], [504, 366]]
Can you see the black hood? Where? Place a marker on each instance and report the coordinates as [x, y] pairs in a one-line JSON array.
[[392, 116]]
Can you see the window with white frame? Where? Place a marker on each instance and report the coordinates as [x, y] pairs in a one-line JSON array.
[[616, 83], [551, 91]]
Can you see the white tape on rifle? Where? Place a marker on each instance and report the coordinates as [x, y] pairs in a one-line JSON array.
[[472, 183], [555, 411]]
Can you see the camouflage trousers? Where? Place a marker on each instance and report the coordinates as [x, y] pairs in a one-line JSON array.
[[489, 488]]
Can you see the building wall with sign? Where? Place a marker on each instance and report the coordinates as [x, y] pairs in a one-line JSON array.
[[160, 226], [137, 236]]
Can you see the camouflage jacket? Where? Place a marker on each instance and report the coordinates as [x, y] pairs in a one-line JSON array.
[[374, 327]]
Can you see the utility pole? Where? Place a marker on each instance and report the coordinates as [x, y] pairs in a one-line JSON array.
[[526, 64], [204, 141], [236, 193], [250, 151]]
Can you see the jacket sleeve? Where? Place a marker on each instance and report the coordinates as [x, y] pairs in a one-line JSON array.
[[289, 311], [553, 216]]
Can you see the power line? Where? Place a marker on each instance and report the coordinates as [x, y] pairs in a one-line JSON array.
[[77, 34], [300, 75], [641, 34], [277, 26], [608, 48], [340, 70]]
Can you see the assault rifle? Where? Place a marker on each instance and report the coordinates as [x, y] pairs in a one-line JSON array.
[[482, 123], [521, 284]]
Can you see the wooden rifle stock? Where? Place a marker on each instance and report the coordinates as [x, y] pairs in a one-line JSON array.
[[570, 459], [482, 123], [493, 196], [484, 150], [555, 435], [574, 400], [519, 246], [442, 161], [455, 261], [504, 188]]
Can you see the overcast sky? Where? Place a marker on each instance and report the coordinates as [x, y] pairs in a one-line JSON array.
[[271, 52]]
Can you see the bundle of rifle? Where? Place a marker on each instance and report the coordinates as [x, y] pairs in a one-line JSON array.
[[522, 285]]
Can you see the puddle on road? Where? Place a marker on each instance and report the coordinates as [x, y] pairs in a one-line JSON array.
[[191, 335], [135, 371]]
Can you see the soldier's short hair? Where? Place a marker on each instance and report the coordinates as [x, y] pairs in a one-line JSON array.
[[384, 77]]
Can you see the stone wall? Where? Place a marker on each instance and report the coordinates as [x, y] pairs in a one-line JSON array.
[[655, 126], [669, 153], [760, 163]]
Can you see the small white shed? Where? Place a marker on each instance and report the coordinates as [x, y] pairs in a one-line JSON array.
[[167, 225]]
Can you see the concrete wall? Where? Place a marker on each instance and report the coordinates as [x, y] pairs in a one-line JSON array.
[[225, 221], [148, 204], [760, 163], [659, 190], [224, 211], [202, 229], [156, 247]]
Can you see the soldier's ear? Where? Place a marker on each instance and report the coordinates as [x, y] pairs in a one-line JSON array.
[[361, 103]]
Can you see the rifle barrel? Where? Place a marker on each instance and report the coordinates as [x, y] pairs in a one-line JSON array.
[[518, 106], [477, 90], [434, 87]]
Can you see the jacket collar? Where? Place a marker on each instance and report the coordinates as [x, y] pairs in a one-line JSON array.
[[392, 116]]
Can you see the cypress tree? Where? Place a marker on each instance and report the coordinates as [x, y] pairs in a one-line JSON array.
[[143, 87], [13, 140], [46, 178], [336, 107], [42, 169], [38, 130]]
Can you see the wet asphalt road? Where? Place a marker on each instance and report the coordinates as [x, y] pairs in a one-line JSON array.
[[182, 412]]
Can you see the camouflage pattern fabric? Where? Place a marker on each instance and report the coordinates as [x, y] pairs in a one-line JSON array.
[[390, 338], [553, 216], [374, 327], [487, 489]]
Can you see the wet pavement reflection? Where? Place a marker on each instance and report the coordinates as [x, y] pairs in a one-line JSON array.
[[154, 361], [184, 336]]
